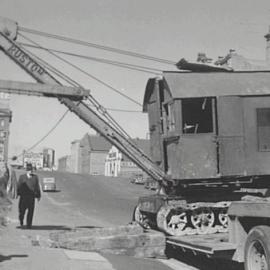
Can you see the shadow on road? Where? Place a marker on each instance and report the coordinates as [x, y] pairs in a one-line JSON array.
[[46, 227], [52, 191], [88, 227], [9, 257]]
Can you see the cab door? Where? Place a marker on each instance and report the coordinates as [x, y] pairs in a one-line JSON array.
[[193, 154], [230, 135]]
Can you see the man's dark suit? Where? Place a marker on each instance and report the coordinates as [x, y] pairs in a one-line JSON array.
[[28, 190]]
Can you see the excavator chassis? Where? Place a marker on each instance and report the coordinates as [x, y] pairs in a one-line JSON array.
[[195, 211], [174, 215]]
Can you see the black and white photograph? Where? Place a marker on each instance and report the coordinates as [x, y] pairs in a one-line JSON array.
[[134, 135]]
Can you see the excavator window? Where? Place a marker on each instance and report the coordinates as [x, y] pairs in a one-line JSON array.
[[197, 115]]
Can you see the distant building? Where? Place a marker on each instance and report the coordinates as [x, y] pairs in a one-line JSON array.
[[118, 164], [64, 164], [36, 159], [5, 120], [48, 158], [94, 150], [87, 156], [75, 157]]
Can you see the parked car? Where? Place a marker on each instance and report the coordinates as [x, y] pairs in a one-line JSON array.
[[137, 178], [48, 184], [151, 184]]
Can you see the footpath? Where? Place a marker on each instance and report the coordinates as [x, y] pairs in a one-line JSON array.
[[21, 249]]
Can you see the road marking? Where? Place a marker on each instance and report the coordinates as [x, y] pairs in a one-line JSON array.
[[177, 265]]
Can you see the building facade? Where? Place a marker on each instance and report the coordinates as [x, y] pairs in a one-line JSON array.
[[48, 158], [64, 164], [87, 156], [5, 120], [118, 164], [75, 157], [94, 150], [36, 159]]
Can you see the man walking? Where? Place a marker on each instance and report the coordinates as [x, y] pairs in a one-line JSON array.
[[28, 189]]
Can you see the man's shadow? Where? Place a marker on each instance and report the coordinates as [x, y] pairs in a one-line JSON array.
[[9, 257]]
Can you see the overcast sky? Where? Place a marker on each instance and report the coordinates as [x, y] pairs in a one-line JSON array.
[[166, 29]]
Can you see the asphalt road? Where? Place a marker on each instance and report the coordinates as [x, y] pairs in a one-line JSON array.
[[97, 201]]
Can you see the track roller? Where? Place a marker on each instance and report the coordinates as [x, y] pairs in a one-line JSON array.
[[172, 220], [203, 219], [141, 218]]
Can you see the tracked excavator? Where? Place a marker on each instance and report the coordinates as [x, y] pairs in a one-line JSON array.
[[194, 206]]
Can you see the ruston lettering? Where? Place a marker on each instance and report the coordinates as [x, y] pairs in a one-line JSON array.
[[24, 59]]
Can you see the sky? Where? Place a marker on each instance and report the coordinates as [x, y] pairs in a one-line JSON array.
[[170, 30]]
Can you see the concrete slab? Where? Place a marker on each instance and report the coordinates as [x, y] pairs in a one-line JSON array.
[[82, 255], [93, 259]]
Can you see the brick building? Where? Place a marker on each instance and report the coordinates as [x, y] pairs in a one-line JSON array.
[[93, 149], [87, 156]]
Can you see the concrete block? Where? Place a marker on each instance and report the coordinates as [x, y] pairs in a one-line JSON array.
[[95, 232], [119, 240]]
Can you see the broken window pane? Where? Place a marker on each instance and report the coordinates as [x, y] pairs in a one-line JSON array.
[[197, 115]]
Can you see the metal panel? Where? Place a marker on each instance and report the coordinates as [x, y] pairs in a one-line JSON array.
[[192, 157], [230, 138], [213, 245], [192, 84], [257, 160], [153, 108], [250, 209], [231, 156]]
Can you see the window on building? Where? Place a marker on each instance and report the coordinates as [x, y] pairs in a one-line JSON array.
[[263, 129], [2, 122]]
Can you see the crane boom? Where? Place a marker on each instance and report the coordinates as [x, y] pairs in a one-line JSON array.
[[93, 118], [38, 89]]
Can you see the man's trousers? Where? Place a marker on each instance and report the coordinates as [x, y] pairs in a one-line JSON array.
[[26, 203]]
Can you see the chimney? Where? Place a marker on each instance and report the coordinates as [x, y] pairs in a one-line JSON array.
[[267, 36]]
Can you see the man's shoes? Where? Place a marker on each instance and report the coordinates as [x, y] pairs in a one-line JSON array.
[[29, 227]]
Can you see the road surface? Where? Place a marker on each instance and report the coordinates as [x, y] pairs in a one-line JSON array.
[[97, 201]]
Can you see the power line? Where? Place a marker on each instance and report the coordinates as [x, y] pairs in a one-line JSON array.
[[86, 73], [62, 117], [101, 60], [47, 134], [97, 46]]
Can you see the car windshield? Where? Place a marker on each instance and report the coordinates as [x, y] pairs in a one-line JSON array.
[[48, 180]]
